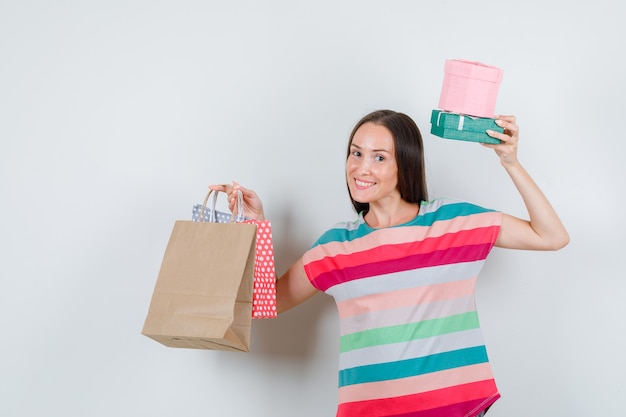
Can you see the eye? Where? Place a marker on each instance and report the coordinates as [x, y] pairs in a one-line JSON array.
[[356, 153], [379, 158]]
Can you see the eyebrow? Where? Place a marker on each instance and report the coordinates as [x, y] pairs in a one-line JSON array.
[[373, 150]]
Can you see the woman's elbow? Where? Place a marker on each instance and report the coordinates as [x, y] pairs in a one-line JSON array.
[[560, 241]]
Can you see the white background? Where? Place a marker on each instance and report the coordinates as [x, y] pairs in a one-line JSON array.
[[116, 115]]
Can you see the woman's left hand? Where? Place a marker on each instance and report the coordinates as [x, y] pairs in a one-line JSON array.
[[507, 149]]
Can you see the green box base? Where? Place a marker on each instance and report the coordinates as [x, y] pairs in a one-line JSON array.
[[446, 125]]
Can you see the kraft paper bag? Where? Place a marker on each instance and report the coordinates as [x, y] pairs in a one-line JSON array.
[[202, 298], [264, 289]]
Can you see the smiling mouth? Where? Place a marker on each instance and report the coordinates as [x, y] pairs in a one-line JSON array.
[[363, 184]]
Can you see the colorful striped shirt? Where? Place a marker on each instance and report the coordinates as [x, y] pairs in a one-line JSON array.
[[410, 340]]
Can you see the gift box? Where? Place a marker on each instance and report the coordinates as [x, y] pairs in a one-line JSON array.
[[460, 127], [470, 88]]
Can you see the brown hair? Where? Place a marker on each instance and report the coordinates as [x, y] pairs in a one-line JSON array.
[[409, 155]]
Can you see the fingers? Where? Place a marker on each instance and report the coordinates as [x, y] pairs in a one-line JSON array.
[[218, 187], [249, 196], [502, 137], [509, 118], [245, 191], [511, 130], [229, 190], [226, 188], [252, 205], [507, 148]]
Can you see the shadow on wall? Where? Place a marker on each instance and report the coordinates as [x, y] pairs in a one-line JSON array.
[[294, 332]]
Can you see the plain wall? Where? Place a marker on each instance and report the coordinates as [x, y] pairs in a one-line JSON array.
[[116, 115]]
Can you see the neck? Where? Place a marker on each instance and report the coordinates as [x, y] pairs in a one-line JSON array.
[[380, 217]]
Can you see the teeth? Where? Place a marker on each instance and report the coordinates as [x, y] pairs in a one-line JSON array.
[[363, 183]]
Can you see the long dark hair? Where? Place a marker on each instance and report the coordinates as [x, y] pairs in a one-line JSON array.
[[409, 155]]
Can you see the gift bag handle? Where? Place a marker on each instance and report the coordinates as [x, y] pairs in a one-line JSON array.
[[238, 218]]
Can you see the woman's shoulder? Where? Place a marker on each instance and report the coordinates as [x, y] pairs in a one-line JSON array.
[[449, 204], [348, 226], [342, 231]]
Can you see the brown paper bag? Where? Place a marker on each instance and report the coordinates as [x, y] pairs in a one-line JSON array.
[[203, 295]]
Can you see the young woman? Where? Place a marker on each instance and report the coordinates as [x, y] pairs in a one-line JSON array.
[[403, 274]]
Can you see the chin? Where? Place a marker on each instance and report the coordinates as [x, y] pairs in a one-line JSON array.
[[359, 200]]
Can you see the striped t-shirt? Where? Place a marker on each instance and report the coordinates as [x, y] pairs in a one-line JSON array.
[[410, 342]]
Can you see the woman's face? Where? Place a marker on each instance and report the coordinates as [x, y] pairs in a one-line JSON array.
[[371, 168]]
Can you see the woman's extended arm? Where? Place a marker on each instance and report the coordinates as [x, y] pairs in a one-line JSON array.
[[293, 287], [544, 229]]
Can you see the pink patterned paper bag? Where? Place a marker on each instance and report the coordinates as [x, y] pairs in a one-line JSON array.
[[264, 291], [470, 88]]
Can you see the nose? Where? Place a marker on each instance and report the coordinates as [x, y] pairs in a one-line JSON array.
[[364, 166]]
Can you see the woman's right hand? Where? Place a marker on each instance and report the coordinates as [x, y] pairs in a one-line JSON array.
[[252, 205]]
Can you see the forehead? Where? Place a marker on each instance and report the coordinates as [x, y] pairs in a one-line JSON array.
[[373, 136]]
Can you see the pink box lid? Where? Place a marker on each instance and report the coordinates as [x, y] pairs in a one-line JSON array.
[[473, 69]]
